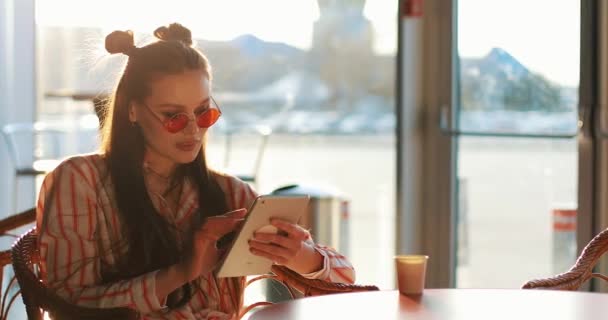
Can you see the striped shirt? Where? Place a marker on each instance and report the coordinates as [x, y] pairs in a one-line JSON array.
[[82, 230]]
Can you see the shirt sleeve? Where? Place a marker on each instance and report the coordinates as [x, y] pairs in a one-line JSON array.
[[69, 257], [239, 193], [336, 267]]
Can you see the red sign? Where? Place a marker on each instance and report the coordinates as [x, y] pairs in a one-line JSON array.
[[411, 8]]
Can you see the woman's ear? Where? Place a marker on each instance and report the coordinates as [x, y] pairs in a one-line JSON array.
[[132, 113]]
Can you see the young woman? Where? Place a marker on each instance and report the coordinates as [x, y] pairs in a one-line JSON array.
[[136, 224]]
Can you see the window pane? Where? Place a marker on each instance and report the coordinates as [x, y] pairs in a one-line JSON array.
[[517, 210], [518, 75], [509, 189]]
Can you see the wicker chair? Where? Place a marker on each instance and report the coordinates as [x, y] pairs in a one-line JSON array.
[[580, 272], [11, 292], [37, 297], [308, 287]]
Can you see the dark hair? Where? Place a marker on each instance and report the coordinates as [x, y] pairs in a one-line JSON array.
[[152, 242]]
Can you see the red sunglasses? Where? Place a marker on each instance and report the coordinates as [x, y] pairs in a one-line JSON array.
[[179, 121]]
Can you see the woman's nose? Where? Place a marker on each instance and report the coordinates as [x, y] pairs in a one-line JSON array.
[[191, 127]]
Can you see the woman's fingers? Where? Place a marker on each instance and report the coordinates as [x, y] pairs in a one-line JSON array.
[[273, 252], [222, 224], [236, 214], [221, 229], [283, 247], [293, 230], [205, 254], [275, 259], [279, 240]]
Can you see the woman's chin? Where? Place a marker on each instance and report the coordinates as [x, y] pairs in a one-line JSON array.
[[184, 157]]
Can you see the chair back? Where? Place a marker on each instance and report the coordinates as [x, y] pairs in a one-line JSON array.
[[36, 148], [37, 297], [238, 141], [33, 147]]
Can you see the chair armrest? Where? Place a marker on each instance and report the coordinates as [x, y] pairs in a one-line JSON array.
[[17, 220], [314, 287], [580, 272]]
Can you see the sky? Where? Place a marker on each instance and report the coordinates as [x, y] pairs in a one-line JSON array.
[[541, 34], [216, 19]]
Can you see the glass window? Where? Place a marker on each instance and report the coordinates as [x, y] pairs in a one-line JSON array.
[[517, 93]]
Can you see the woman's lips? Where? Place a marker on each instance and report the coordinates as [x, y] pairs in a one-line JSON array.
[[187, 146]]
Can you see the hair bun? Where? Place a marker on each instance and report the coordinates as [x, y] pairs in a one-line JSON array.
[[174, 32], [120, 42]]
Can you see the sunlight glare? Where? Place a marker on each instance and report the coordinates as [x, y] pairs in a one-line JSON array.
[[520, 27], [210, 20]]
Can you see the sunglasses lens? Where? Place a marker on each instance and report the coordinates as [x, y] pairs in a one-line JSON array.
[[208, 118], [176, 123]]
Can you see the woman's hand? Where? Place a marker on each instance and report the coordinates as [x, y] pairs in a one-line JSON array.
[[205, 254], [288, 247]]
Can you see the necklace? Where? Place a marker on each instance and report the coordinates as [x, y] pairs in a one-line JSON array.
[[163, 184], [148, 168], [167, 190]]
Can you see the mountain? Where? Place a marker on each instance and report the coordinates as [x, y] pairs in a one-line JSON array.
[[253, 46], [248, 63], [498, 81], [500, 61], [260, 80]]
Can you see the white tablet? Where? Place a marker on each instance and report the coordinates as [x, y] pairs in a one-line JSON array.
[[239, 261]]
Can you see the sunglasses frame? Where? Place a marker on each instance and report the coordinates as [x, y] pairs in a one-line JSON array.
[[166, 121]]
